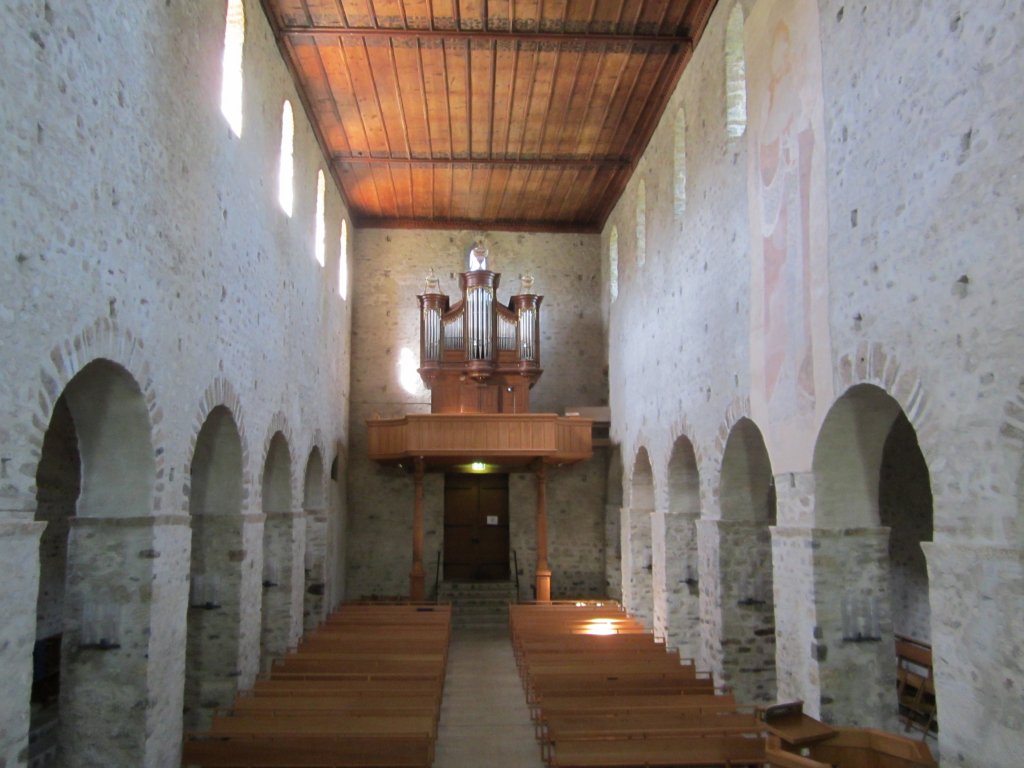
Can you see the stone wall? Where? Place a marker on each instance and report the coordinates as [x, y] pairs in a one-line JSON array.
[[914, 294], [138, 229], [390, 267]]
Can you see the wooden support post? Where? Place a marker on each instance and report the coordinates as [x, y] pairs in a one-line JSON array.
[[416, 575], [543, 574]]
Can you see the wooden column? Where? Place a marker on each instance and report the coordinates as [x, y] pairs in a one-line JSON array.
[[543, 574], [416, 575]]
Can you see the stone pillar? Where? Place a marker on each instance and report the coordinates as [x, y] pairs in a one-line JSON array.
[[107, 659], [250, 598], [709, 574], [659, 586], [19, 552], [543, 573], [212, 658], [284, 539], [681, 585], [613, 551], [638, 599], [796, 641], [745, 603], [314, 604], [978, 636], [853, 630], [416, 576]]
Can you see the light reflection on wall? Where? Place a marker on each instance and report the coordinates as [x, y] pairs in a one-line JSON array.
[[408, 376]]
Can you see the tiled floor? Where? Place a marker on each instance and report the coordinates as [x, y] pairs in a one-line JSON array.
[[484, 719]]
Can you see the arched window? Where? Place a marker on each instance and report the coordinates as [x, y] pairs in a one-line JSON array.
[[680, 162], [343, 262], [286, 165], [321, 231], [231, 82], [613, 263], [641, 224], [735, 75]]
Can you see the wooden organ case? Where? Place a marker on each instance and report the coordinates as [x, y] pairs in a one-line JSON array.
[[478, 355]]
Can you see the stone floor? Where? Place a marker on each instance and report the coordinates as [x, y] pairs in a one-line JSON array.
[[484, 718]]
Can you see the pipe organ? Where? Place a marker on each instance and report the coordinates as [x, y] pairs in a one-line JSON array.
[[479, 355]]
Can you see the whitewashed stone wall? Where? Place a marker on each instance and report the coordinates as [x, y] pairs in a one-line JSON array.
[[390, 267], [137, 229], [923, 141]]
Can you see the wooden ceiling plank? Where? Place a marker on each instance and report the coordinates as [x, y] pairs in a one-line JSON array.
[[329, 104], [619, 104], [652, 42], [340, 86], [426, 114]]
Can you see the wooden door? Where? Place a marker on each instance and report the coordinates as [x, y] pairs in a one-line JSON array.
[[476, 527]]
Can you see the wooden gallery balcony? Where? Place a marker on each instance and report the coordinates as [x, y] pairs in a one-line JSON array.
[[504, 439]]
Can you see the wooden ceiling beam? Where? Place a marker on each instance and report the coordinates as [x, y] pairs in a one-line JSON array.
[[536, 162], [658, 41]]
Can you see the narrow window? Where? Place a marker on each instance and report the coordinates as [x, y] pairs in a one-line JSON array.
[[286, 167], [321, 231], [735, 75], [641, 224], [343, 262], [680, 162], [613, 263], [231, 82]]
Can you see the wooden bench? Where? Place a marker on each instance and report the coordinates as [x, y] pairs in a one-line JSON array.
[[363, 691], [308, 751], [728, 751], [915, 685]]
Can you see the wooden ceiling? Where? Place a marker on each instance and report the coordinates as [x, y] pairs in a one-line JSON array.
[[485, 114]]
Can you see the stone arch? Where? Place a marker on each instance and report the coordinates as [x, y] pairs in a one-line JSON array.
[[106, 341], [848, 457], [637, 555], [217, 569], [873, 509], [314, 505], [682, 598], [745, 574], [221, 394], [95, 489]]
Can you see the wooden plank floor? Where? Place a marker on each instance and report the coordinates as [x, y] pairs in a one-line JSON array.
[[484, 718]]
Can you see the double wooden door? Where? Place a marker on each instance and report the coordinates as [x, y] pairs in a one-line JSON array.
[[476, 542]]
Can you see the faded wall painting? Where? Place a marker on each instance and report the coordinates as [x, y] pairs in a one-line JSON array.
[[790, 356]]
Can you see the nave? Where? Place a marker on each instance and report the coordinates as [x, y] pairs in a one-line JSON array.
[[365, 689]]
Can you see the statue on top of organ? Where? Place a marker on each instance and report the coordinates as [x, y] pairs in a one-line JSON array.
[[478, 355]]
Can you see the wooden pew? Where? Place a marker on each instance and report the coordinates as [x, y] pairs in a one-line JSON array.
[[363, 691], [709, 750], [308, 751]]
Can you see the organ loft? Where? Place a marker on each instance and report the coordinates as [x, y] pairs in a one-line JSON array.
[[479, 358]]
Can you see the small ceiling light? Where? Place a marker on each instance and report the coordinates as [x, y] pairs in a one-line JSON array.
[[478, 466]]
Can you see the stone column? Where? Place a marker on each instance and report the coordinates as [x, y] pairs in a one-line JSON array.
[[853, 629], [977, 637], [681, 585], [613, 551], [659, 585], [282, 595], [543, 574], [796, 640], [111, 661], [314, 610], [19, 552], [639, 599], [746, 617], [416, 576]]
